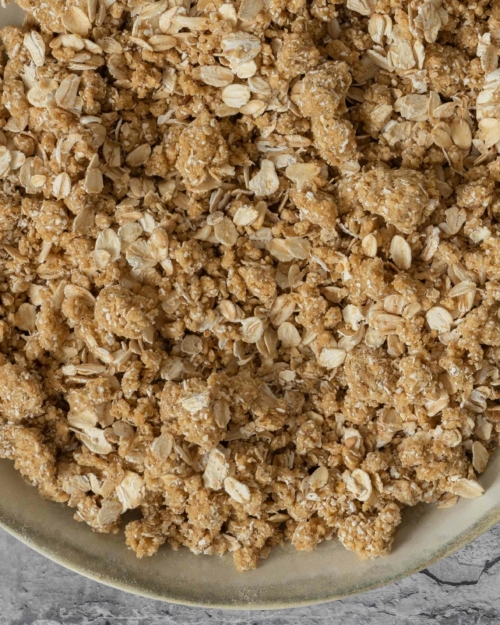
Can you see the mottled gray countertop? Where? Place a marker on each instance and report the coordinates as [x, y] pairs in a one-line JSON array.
[[464, 589]]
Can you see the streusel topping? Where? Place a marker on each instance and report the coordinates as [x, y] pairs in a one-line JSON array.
[[250, 265]]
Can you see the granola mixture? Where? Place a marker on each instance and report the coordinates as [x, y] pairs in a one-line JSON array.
[[250, 265]]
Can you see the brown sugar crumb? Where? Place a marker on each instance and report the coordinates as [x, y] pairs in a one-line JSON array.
[[21, 394], [201, 148], [259, 281], [297, 55], [121, 312], [372, 535], [193, 410], [399, 196], [335, 140], [32, 458], [322, 91], [317, 207], [447, 69], [249, 264]]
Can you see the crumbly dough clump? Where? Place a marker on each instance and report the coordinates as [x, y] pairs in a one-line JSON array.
[[249, 265], [397, 195]]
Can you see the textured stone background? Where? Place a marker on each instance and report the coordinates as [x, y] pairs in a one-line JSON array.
[[461, 590]]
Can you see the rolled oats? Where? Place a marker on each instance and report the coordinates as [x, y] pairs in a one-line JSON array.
[[400, 252], [76, 21], [237, 490], [236, 96], [332, 358], [469, 489], [439, 319], [249, 259], [359, 484], [288, 335], [216, 75]]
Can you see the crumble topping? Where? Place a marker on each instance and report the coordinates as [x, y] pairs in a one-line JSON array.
[[249, 260]]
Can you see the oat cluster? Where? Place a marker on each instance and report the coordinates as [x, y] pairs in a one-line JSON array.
[[250, 265]]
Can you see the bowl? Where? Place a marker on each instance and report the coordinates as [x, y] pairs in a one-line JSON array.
[[286, 579]]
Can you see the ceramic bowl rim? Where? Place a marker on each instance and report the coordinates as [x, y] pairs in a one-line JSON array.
[[491, 518]]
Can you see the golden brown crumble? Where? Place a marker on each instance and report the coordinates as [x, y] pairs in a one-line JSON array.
[[249, 265]]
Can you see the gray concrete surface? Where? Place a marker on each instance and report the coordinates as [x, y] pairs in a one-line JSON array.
[[461, 590]]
